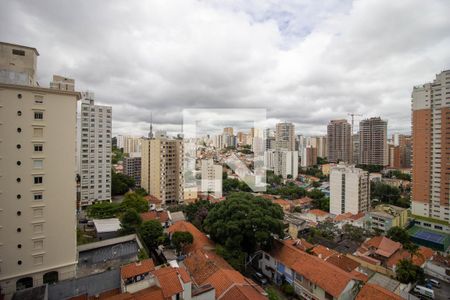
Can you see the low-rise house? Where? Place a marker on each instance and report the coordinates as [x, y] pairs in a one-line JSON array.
[[385, 216], [285, 204], [311, 276], [137, 276], [304, 203], [106, 228], [154, 202], [378, 250], [372, 291], [356, 220], [423, 255], [162, 216], [316, 215]]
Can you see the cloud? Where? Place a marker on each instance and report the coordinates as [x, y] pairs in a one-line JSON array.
[[304, 61]]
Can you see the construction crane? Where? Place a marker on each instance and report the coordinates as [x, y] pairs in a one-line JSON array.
[[353, 115]]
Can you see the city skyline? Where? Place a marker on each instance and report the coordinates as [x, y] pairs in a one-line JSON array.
[[330, 59]]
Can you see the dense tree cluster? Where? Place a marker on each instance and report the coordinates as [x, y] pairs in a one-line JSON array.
[[288, 191], [234, 185], [371, 168], [151, 233], [104, 210], [408, 272], [120, 183], [388, 194], [181, 239], [197, 212]]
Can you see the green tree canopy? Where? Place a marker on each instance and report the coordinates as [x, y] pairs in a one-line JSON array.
[[134, 201], [289, 191], [130, 221], [102, 210], [245, 222], [408, 272], [398, 234], [197, 212], [151, 232], [181, 239], [120, 183], [385, 193]]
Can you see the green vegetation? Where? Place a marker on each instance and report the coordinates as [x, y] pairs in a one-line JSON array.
[[117, 155], [320, 201], [242, 224], [287, 289], [312, 171], [399, 175], [408, 272], [272, 294], [401, 235], [181, 239], [322, 160], [273, 179], [428, 219], [234, 185], [388, 194], [371, 168], [82, 238], [104, 210], [142, 254], [197, 212], [354, 233], [140, 191], [120, 183], [289, 191], [130, 221], [151, 232]]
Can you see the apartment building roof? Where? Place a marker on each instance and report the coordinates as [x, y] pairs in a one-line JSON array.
[[375, 292], [137, 268]]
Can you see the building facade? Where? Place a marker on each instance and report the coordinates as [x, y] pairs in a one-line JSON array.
[[37, 175], [211, 177], [373, 148], [349, 190], [431, 146], [285, 136], [339, 141], [285, 163], [162, 169], [132, 168], [94, 151]]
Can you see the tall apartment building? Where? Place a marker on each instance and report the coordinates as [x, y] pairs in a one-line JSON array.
[[132, 168], [285, 163], [431, 151], [355, 149], [37, 175], [308, 156], [400, 151], [339, 141], [373, 149], [349, 190], [211, 177], [228, 130], [162, 169], [285, 136], [321, 145], [94, 151], [129, 144]]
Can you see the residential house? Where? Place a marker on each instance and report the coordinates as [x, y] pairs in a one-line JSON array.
[[162, 216], [385, 216], [316, 215], [356, 220], [285, 204], [375, 292]]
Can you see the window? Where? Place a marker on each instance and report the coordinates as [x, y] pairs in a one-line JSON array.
[[38, 99], [38, 147], [38, 228], [38, 163], [38, 244], [37, 179], [18, 52], [38, 213], [38, 196], [38, 132], [38, 115], [38, 260]]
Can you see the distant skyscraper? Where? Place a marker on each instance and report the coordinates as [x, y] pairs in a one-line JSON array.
[[38, 171], [308, 156], [339, 141], [355, 149], [431, 151], [94, 151], [349, 190], [373, 148], [285, 136], [162, 169], [228, 130]]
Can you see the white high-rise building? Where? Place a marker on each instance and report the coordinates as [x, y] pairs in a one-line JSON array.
[[94, 151], [211, 177], [285, 163], [37, 174], [349, 190], [130, 144]]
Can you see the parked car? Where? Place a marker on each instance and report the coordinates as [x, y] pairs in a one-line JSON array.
[[260, 278], [424, 291], [434, 282]]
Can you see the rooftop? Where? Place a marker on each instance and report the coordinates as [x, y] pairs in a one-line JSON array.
[[137, 268], [376, 292], [106, 225]]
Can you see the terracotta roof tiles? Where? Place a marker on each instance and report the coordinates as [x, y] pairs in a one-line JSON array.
[[375, 292], [137, 268]]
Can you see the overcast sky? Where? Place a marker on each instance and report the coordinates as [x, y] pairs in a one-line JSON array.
[[305, 61]]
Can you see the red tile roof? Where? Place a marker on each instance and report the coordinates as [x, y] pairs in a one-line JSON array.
[[327, 276], [282, 202], [201, 241], [151, 293], [383, 246], [423, 254], [137, 268], [162, 216], [343, 217], [359, 276], [302, 201], [184, 275], [168, 281], [375, 292], [152, 199], [323, 252], [343, 262], [318, 212]]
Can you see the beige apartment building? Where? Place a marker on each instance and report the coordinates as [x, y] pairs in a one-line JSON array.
[[285, 136], [339, 141], [228, 130], [373, 148], [431, 152], [37, 174], [162, 169]]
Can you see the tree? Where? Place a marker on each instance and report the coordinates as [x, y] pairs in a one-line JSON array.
[[197, 212], [134, 201], [245, 222], [102, 210], [371, 168], [408, 272], [181, 239], [316, 184], [120, 183], [398, 234], [140, 191], [150, 232], [385, 193], [130, 221], [353, 233], [320, 201]]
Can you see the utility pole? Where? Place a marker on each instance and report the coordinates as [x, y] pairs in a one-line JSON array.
[[353, 115]]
